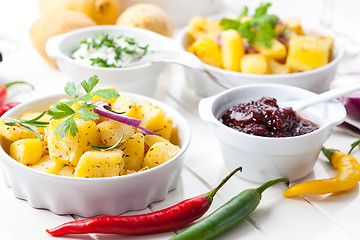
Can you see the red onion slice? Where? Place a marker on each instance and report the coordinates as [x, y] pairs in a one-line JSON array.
[[351, 101], [104, 110], [146, 131], [352, 104]]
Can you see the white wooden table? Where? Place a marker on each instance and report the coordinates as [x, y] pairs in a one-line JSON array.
[[313, 217]]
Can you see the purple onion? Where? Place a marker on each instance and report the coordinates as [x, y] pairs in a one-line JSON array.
[[352, 104], [248, 48], [219, 39], [283, 39], [104, 110], [146, 131]]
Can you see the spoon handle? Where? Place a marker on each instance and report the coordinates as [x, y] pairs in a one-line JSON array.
[[183, 58], [326, 96]]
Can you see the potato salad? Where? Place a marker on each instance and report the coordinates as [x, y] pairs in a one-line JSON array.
[[104, 50], [96, 134], [261, 43]]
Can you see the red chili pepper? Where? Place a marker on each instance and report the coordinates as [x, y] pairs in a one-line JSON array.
[[6, 107], [168, 219], [3, 89]]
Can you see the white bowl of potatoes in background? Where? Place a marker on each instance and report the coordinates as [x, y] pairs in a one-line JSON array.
[[94, 196], [316, 80]]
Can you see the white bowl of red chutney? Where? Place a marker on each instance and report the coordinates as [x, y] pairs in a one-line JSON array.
[[267, 141]]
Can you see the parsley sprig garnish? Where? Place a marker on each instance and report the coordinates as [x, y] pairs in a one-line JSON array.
[[63, 110], [260, 28]]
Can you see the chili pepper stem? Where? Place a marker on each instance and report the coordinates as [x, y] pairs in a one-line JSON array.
[[212, 193], [328, 152], [228, 215], [270, 183], [7, 85]]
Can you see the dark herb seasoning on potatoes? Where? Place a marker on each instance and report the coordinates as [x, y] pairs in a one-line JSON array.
[[263, 117]]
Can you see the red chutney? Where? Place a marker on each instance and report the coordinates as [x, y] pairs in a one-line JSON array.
[[264, 118]]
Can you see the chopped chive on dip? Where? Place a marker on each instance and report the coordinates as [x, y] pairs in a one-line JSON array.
[[105, 50]]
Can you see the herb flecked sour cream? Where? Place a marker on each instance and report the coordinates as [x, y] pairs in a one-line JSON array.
[[104, 50]]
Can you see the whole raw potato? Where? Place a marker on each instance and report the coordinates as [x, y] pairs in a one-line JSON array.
[[56, 23], [101, 11], [147, 16]]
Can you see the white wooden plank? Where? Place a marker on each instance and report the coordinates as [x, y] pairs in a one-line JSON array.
[[189, 186], [192, 186], [160, 236], [20, 221], [339, 207], [206, 163]]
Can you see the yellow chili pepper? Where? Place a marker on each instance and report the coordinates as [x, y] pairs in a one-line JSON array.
[[347, 177]]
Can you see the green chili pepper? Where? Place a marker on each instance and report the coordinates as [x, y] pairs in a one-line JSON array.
[[228, 215]]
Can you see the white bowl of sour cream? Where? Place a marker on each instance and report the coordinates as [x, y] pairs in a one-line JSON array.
[[106, 51]]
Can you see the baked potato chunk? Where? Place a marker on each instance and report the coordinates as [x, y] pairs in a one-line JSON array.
[[111, 131], [26, 151], [100, 164], [134, 150], [48, 165], [308, 52], [155, 119], [150, 140], [232, 50], [124, 104], [207, 50], [278, 68], [277, 51], [159, 153], [69, 149], [200, 27], [294, 23], [31, 115], [67, 171], [14, 133], [255, 63]]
